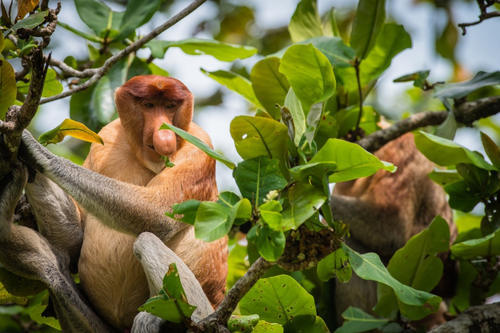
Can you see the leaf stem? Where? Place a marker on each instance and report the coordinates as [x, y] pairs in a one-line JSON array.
[[357, 62], [82, 34]]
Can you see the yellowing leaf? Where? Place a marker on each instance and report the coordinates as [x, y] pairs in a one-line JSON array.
[[8, 88], [25, 6], [72, 128]]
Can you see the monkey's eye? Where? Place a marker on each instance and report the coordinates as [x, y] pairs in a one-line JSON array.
[[170, 105], [149, 105]]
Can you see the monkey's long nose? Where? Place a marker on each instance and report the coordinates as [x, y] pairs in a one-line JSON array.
[[164, 142]]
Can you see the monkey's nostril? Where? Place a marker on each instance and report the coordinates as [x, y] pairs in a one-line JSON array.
[[151, 147]]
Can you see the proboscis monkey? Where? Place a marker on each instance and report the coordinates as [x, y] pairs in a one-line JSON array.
[[123, 190], [385, 210]]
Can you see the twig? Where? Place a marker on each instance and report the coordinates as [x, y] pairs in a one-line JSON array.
[[101, 71], [465, 113], [240, 288], [69, 71], [484, 15]]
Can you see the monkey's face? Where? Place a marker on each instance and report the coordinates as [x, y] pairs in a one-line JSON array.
[[144, 103]]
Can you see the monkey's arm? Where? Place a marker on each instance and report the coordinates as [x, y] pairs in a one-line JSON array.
[[122, 206]]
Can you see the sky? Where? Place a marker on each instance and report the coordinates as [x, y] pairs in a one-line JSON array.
[[478, 50]]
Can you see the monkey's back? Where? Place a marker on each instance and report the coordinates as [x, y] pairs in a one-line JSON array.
[[111, 276]]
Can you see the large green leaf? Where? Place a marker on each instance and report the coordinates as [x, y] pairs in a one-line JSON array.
[[352, 161], [481, 247], [136, 14], [305, 22], [356, 320], [447, 153], [269, 85], [171, 304], [270, 211], [299, 120], [270, 243], [416, 264], [316, 170], [8, 88], [303, 201], [336, 264], [31, 21], [199, 144], [369, 267], [392, 40], [307, 323], [215, 219], [370, 17], [259, 136], [195, 46], [310, 74], [462, 89], [339, 54], [94, 13], [278, 299], [258, 176], [236, 83]]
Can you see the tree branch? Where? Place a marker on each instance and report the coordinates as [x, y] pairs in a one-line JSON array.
[[240, 288], [98, 73], [465, 113], [484, 15], [482, 318]]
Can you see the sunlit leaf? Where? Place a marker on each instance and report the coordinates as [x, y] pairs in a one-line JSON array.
[[8, 88], [336, 264], [370, 17], [242, 323], [486, 246], [72, 128], [299, 120], [269, 85], [195, 46], [303, 201], [270, 243], [305, 22]]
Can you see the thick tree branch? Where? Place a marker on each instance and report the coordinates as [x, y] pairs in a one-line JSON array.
[[240, 288], [482, 318], [465, 113], [98, 73]]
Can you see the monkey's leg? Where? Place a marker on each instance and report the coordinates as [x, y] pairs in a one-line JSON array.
[[155, 258], [25, 253], [57, 216]]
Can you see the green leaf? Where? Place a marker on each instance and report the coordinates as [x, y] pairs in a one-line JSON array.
[[303, 201], [352, 161], [315, 170], [309, 73], [270, 213], [305, 22], [306, 323], [94, 13], [265, 327], [187, 209], [462, 89], [136, 14], [292, 103], [369, 267], [370, 17], [446, 153], [258, 176], [171, 304], [31, 21], [444, 177], [103, 102], [339, 54], [199, 144], [356, 320], [278, 299], [270, 243], [482, 247], [236, 83], [491, 149], [242, 209], [416, 264], [242, 323], [336, 264], [52, 86], [269, 85], [258, 136], [392, 40], [36, 308], [462, 196], [8, 88], [419, 78], [195, 46], [71, 128]]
